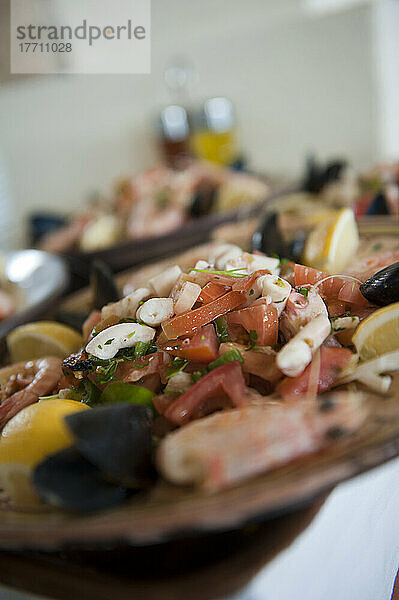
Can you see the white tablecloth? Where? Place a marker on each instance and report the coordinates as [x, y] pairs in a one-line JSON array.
[[349, 552]]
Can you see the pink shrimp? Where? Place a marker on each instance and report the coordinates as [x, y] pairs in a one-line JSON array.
[[40, 377], [227, 447]]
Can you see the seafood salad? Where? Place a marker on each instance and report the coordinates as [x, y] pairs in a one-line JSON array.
[[154, 203], [207, 377]]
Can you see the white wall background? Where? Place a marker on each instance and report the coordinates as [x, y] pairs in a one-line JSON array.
[[300, 81]]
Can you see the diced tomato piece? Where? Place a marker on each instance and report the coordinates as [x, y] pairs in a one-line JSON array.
[[260, 362], [246, 283], [351, 293], [262, 318], [203, 347], [133, 370], [307, 275], [332, 361], [336, 308], [163, 401], [211, 291], [191, 321], [336, 290], [227, 379]]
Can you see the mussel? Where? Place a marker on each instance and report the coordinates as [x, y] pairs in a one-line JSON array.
[[269, 239], [117, 440], [104, 291], [383, 287], [378, 206], [317, 176], [68, 481], [103, 285], [110, 459]]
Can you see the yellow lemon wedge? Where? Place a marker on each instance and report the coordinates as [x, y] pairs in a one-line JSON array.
[[42, 338], [331, 245], [33, 434], [379, 333]]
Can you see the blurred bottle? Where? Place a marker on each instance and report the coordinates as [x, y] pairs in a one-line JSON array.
[[174, 139], [214, 137], [174, 121]]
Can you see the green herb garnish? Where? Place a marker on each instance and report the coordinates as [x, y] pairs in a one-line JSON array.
[[229, 356], [231, 273], [108, 342], [221, 329], [177, 365], [253, 337], [303, 290]]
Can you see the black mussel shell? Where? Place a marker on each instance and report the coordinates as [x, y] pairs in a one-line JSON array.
[[103, 285], [117, 440], [317, 176], [383, 287], [268, 237], [68, 481], [378, 206], [203, 200]]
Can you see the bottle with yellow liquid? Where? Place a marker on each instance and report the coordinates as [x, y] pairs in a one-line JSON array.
[[214, 137]]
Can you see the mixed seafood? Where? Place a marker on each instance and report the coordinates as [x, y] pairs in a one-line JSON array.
[[209, 376], [155, 202]]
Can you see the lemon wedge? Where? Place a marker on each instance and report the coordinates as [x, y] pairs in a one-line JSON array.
[[379, 333], [42, 338], [33, 434], [331, 245]]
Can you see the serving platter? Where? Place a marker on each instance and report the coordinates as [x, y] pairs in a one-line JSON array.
[[196, 231], [168, 512]]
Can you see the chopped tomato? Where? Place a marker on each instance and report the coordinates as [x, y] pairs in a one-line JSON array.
[[262, 318], [191, 321], [332, 361], [163, 401], [227, 379], [336, 290], [351, 294], [246, 283], [203, 347], [309, 276], [212, 291], [260, 362], [133, 370]]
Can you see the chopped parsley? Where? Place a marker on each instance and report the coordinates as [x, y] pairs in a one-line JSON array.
[[229, 356], [253, 337], [303, 290], [177, 365], [143, 348], [221, 329], [108, 342], [231, 273]]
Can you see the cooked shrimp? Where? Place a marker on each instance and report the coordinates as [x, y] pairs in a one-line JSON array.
[[227, 447], [27, 383]]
